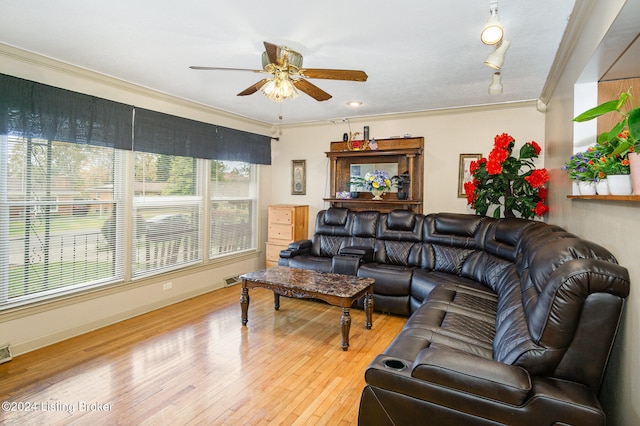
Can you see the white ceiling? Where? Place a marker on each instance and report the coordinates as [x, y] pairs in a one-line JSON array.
[[419, 54]]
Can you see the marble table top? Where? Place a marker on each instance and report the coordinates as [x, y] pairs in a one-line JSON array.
[[312, 281]]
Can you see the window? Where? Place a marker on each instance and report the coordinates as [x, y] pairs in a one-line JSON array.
[[85, 181], [166, 213], [233, 205], [57, 239]]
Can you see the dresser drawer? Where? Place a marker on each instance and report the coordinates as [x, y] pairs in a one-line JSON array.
[[280, 215], [277, 231], [273, 251]]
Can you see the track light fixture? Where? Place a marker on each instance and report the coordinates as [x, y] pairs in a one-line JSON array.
[[492, 32], [496, 58], [496, 84]]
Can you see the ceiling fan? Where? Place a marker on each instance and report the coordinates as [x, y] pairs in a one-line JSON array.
[[285, 65]]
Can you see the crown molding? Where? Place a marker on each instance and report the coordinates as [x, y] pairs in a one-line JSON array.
[[421, 114], [577, 23], [24, 64]]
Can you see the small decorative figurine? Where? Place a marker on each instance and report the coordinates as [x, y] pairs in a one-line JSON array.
[[373, 145]]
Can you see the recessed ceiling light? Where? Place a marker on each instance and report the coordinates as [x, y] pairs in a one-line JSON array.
[[354, 103]]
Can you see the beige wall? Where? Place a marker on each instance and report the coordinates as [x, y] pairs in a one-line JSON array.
[[612, 224], [447, 134]]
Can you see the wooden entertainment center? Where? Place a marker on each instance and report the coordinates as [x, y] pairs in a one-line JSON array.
[[401, 155]]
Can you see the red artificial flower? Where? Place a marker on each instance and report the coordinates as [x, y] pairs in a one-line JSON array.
[[499, 155], [537, 178], [625, 162], [540, 209], [535, 147], [502, 141], [494, 167], [474, 166], [542, 193], [469, 189]]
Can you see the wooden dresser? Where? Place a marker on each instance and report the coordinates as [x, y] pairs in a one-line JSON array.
[[287, 223]]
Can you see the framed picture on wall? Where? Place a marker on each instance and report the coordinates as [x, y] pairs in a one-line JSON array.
[[298, 177], [464, 174]]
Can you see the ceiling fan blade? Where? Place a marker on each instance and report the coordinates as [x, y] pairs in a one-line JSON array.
[[194, 67], [312, 90], [253, 88], [329, 74], [272, 52]]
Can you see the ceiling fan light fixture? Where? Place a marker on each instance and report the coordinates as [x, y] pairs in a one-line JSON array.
[[492, 32], [496, 58], [278, 89], [495, 88]]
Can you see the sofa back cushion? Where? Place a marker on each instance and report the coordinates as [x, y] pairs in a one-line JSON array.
[[398, 238], [449, 239], [570, 291], [364, 229], [333, 229]]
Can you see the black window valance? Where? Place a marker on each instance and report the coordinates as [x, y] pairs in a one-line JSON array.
[[168, 134], [30, 109], [35, 110]]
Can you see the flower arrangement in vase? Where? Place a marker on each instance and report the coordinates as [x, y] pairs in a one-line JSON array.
[[508, 184], [620, 146], [378, 183]]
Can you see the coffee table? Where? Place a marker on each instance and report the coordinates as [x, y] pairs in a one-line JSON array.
[[335, 289]]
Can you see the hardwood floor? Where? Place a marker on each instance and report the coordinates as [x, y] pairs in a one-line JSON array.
[[193, 363]]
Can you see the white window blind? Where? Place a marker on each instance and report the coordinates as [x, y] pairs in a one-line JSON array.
[[166, 213], [233, 207], [61, 218]]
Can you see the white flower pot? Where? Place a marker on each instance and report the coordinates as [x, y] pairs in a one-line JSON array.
[[602, 187], [619, 184], [587, 188]]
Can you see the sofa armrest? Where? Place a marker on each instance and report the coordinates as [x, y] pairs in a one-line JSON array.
[[471, 374], [296, 248], [365, 253]]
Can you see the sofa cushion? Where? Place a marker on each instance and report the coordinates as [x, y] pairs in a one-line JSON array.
[[400, 225], [333, 229], [389, 279], [315, 263], [335, 216], [401, 220]]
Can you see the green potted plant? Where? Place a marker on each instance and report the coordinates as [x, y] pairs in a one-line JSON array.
[[621, 144], [401, 182], [583, 168]]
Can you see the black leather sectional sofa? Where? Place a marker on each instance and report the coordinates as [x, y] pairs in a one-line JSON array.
[[510, 321]]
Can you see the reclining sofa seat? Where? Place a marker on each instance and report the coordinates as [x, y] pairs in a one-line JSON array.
[[333, 229], [397, 254]]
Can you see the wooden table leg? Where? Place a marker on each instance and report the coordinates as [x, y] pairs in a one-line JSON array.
[[345, 322], [244, 304], [368, 308], [276, 301]]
